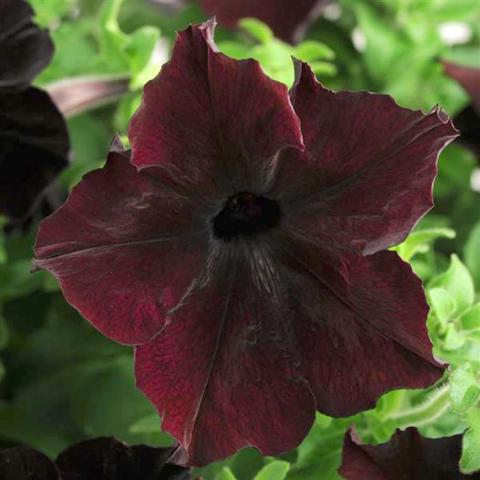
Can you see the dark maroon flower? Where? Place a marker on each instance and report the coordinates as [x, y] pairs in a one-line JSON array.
[[231, 247], [468, 120], [98, 459], [24, 463], [288, 19], [106, 458], [25, 49], [34, 140], [406, 456]]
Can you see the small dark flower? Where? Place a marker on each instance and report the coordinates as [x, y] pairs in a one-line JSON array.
[[34, 140], [406, 456], [25, 49], [240, 247], [99, 459], [468, 120], [288, 19], [24, 463]]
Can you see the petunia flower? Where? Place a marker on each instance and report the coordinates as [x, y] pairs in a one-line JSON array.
[[406, 456], [98, 459], [25, 49], [468, 120], [34, 141], [287, 19], [241, 248]]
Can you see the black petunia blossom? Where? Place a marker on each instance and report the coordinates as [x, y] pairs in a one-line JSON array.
[[34, 141], [241, 247], [102, 458], [406, 456]]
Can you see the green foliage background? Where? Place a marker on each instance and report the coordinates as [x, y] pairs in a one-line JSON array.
[[61, 381]]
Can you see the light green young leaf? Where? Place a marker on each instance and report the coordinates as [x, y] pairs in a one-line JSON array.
[[323, 69], [257, 29], [132, 53], [453, 339], [113, 41], [50, 11], [321, 450], [472, 254], [464, 388], [458, 282], [311, 50], [140, 50], [276, 470], [225, 474], [234, 49], [420, 241], [470, 459], [442, 303], [470, 319]]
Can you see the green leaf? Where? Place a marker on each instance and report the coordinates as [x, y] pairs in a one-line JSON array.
[[452, 338], [234, 49], [225, 474], [420, 241], [50, 11], [458, 282], [470, 319], [464, 388], [257, 29], [3, 252], [323, 69], [321, 450], [3, 332], [470, 459], [311, 50], [150, 425], [443, 304], [17, 425], [472, 254], [17, 279], [140, 52], [276, 470]]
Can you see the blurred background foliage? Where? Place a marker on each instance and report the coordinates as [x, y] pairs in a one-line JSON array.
[[61, 381]]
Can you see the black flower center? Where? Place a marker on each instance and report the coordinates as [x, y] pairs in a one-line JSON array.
[[246, 214]]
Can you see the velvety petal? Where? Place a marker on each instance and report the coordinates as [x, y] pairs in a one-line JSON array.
[[222, 375], [365, 177], [25, 50], [360, 327], [125, 247], [34, 147], [108, 459], [467, 77], [287, 19], [209, 116], [407, 455], [23, 463]]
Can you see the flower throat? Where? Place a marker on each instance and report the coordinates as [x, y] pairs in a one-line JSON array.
[[245, 215]]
